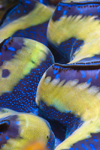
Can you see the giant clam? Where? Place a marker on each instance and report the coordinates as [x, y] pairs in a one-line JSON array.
[[72, 91], [17, 129], [27, 19], [67, 93], [70, 94], [22, 63], [75, 26]]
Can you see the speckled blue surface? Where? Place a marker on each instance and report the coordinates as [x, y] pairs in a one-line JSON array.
[[22, 97]]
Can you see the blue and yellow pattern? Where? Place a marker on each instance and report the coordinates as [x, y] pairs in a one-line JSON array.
[[17, 129], [73, 29], [22, 63], [27, 19], [70, 93], [69, 90]]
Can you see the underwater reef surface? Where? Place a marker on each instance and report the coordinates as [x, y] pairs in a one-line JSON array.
[[65, 93]]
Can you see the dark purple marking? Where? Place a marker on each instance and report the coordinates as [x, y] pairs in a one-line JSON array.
[[67, 119], [75, 9], [8, 129], [5, 73], [22, 97], [9, 48], [92, 143], [21, 9], [37, 33], [71, 72], [57, 57], [45, 2], [68, 47], [51, 3]]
